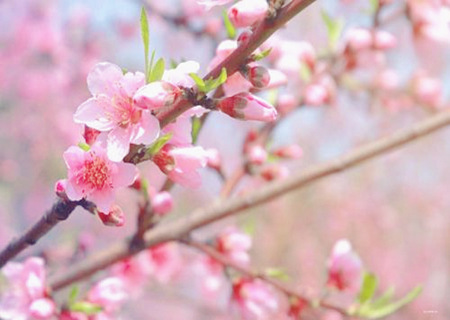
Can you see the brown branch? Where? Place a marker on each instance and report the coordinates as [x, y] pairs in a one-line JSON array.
[[60, 211], [287, 290], [220, 209]]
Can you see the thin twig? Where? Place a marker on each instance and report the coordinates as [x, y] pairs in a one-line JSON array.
[[175, 230]]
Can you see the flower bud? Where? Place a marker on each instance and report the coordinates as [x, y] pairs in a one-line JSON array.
[[114, 218], [246, 106], [90, 135], [60, 188], [244, 37], [359, 39], [156, 95], [258, 76], [162, 203], [256, 155], [316, 95], [274, 172], [292, 152], [246, 12], [384, 40], [286, 103]]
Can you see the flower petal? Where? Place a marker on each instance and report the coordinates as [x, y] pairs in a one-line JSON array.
[[103, 78], [118, 143], [93, 113], [147, 130], [125, 175]]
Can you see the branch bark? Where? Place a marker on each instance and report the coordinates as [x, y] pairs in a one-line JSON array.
[[220, 209]]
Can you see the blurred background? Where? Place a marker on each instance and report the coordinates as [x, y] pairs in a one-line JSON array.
[[395, 209]]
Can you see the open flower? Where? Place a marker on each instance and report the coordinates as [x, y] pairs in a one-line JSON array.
[[112, 109], [26, 298], [93, 176]]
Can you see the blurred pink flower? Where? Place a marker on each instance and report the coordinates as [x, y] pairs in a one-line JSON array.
[[162, 203], [344, 267], [93, 176], [26, 296], [112, 109], [245, 13], [208, 4], [235, 244], [109, 293], [246, 106]]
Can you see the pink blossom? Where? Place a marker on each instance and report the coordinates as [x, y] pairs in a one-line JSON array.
[[212, 3], [254, 299], [181, 164], [114, 217], [164, 261], [93, 176], [236, 83], [112, 109], [162, 203], [258, 76], [245, 13], [180, 75], [246, 106], [256, 154], [157, 95], [286, 103], [344, 267], [26, 296], [109, 293], [292, 152], [235, 244], [273, 172], [213, 158], [383, 40], [359, 39], [427, 90], [316, 94]]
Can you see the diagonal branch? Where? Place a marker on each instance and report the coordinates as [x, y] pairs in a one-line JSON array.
[[220, 209]]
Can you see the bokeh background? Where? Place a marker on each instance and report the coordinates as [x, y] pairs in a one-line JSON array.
[[395, 209]]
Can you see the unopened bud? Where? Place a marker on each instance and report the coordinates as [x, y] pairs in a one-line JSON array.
[[256, 155], [243, 38], [115, 217], [258, 76], [156, 95], [246, 106], [90, 135], [245, 13], [384, 40], [60, 188], [291, 152], [162, 203], [273, 172]]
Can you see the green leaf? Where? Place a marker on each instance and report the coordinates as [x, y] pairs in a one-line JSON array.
[[374, 5], [85, 307], [231, 30], [73, 294], [158, 144], [157, 72], [334, 28], [368, 287], [196, 126], [145, 38], [212, 84], [261, 55], [198, 81], [150, 67], [84, 146], [372, 312], [277, 274]]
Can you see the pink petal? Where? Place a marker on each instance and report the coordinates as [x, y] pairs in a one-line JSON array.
[[93, 113], [118, 143], [147, 130], [103, 78], [73, 191], [125, 175], [42, 308], [131, 82], [103, 199], [74, 158]]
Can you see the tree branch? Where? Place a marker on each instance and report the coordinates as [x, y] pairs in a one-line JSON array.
[[220, 209]]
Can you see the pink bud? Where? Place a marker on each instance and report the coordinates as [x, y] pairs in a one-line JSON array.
[[156, 95], [90, 135], [359, 39], [286, 103], [114, 218], [244, 37], [246, 12], [258, 76], [387, 80], [292, 152], [60, 188], [384, 40], [256, 154], [162, 203], [344, 267], [274, 172], [427, 90], [316, 95], [246, 106]]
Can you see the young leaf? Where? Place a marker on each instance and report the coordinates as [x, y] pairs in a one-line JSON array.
[[85, 307], [334, 28], [158, 144], [145, 37], [277, 274], [84, 146], [73, 295], [212, 84], [150, 67], [261, 55], [157, 72], [198, 81], [305, 72], [368, 287], [231, 30], [374, 5], [384, 298], [196, 125]]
